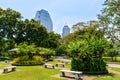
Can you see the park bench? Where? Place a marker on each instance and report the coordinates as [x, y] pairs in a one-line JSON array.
[[49, 66], [76, 73], [65, 61], [60, 64], [9, 69]]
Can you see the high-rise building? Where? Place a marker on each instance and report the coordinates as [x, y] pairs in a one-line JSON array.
[[65, 30], [44, 18]]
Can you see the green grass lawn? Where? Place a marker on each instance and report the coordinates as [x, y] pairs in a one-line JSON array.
[[109, 60], [115, 75], [31, 73], [3, 64], [41, 73], [58, 61]]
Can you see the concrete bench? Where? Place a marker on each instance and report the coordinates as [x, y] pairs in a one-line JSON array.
[[9, 69], [49, 66], [76, 73], [65, 61], [60, 64]]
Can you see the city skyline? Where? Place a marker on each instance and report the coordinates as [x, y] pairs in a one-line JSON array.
[[61, 11]]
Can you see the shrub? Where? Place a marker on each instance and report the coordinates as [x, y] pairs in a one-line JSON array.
[[24, 60], [87, 55]]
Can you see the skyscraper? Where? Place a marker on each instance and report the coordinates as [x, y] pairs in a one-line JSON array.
[[44, 18], [65, 30]]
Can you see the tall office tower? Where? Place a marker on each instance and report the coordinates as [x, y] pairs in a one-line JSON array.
[[44, 18], [65, 30]]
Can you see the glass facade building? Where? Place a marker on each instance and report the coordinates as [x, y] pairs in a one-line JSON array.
[[44, 19], [65, 31]]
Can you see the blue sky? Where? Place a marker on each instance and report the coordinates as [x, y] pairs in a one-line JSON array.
[[61, 11]]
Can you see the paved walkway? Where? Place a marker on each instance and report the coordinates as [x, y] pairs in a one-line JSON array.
[[114, 65], [67, 60]]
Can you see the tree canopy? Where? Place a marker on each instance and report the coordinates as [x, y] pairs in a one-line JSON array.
[[110, 19]]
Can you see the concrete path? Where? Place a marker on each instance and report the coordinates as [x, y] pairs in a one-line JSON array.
[[114, 65]]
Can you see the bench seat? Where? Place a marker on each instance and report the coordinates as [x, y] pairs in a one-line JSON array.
[[49, 66], [62, 64], [9, 69], [77, 73]]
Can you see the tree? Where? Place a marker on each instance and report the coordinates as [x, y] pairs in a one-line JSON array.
[[78, 26], [52, 41], [113, 53], [2, 46], [82, 25], [110, 19], [26, 55], [31, 31], [8, 20]]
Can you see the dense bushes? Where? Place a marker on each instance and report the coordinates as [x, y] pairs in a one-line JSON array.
[[31, 55], [25, 60], [93, 66], [87, 55]]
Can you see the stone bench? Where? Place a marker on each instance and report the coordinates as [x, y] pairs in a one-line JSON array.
[[76, 73], [49, 66], [60, 64], [9, 69]]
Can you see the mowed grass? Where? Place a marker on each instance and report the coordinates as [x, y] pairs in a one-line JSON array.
[[114, 75], [3, 64], [109, 59], [31, 73], [68, 66]]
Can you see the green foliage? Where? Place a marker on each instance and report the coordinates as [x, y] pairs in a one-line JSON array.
[[85, 32], [25, 30], [25, 49], [15, 29], [87, 55], [25, 60], [47, 51], [8, 19], [52, 40], [81, 25], [30, 55], [110, 19], [113, 53], [5, 45], [61, 50], [89, 47], [26, 55]]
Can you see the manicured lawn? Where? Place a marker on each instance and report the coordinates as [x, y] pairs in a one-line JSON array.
[[31, 73], [58, 61], [3, 64], [114, 76], [116, 69], [108, 59]]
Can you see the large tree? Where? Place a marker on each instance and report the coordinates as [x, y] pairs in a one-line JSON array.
[[52, 40], [110, 19], [32, 32], [8, 20]]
